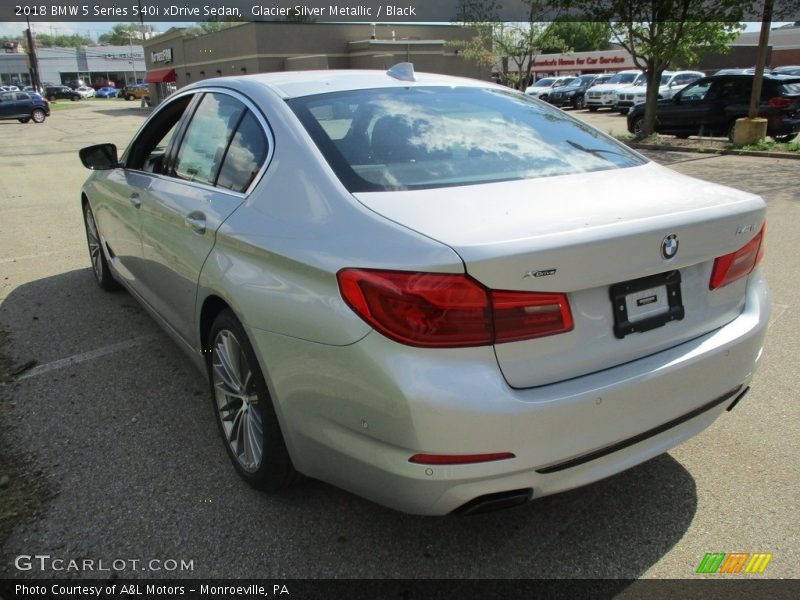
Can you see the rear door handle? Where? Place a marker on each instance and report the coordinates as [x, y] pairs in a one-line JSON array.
[[136, 200], [196, 221]]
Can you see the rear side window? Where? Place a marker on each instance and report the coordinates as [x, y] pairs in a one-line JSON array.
[[245, 155], [423, 137], [207, 137], [790, 89]]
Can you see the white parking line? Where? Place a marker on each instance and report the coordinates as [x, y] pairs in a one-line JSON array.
[[86, 356], [777, 312]]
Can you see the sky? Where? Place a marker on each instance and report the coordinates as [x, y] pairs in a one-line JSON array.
[[95, 29]]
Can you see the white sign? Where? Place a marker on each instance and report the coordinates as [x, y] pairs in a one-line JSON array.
[[164, 55]]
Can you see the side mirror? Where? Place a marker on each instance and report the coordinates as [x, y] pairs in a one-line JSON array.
[[101, 157]]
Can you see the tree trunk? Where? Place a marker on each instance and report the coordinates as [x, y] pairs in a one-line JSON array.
[[654, 73]]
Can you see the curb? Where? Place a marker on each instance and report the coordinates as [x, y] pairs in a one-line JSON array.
[[720, 151]]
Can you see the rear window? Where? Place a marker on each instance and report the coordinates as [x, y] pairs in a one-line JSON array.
[[424, 137]]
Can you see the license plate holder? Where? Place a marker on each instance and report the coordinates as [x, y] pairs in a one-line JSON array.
[[646, 303]]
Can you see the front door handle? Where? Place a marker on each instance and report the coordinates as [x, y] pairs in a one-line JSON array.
[[136, 200], [196, 221]]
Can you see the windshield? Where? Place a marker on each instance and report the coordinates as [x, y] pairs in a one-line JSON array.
[[665, 79], [623, 78], [544, 82], [424, 137]]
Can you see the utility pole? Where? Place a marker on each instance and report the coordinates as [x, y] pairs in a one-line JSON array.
[[761, 58], [133, 60], [32, 57]]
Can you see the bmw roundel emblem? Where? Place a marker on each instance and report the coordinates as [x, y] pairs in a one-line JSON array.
[[669, 246]]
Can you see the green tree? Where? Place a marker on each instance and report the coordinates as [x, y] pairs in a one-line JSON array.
[[661, 33], [582, 36], [62, 41], [510, 47], [209, 26], [122, 34]]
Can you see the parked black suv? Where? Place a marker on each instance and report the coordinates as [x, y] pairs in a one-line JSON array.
[[60, 92], [710, 106]]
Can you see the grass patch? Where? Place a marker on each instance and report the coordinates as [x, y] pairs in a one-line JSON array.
[[64, 105], [765, 146]]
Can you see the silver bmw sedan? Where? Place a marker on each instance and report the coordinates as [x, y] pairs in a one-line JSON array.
[[437, 293]]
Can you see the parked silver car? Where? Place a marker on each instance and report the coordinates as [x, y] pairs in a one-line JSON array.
[[371, 272]]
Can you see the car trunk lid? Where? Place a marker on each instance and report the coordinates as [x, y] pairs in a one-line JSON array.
[[583, 235]]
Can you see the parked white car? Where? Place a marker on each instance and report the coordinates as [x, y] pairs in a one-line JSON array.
[[671, 82], [605, 95], [85, 91], [540, 89]]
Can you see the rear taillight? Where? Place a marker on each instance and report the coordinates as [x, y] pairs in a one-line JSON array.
[[780, 102], [438, 310], [741, 263]]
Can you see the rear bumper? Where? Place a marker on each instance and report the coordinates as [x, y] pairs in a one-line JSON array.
[[353, 415]]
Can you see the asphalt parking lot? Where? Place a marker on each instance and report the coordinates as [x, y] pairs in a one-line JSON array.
[[116, 426]]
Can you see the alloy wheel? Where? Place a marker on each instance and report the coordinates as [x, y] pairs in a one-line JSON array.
[[93, 239], [237, 400]]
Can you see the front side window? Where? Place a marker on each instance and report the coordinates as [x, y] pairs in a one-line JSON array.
[[423, 137], [148, 151], [696, 92]]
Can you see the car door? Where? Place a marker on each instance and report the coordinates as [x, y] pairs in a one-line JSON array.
[[117, 206], [222, 149], [688, 111], [7, 105]]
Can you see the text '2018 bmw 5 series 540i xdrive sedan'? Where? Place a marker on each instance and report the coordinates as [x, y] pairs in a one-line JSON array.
[[370, 269]]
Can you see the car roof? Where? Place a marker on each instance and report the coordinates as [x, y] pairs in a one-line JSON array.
[[295, 84]]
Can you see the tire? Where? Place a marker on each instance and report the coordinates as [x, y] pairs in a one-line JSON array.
[[130, 97], [38, 116], [24, 119], [592, 109], [622, 111], [74, 98], [636, 126], [243, 407], [51, 98], [579, 103], [100, 268], [783, 139], [731, 127], [682, 136]]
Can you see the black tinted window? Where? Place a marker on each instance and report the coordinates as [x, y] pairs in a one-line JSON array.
[[245, 155]]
